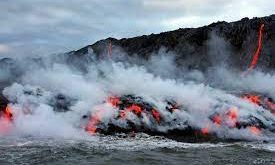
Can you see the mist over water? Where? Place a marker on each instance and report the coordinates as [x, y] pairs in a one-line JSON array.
[[88, 82], [36, 85]]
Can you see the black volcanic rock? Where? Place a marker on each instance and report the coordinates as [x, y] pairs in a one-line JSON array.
[[190, 44], [3, 103]]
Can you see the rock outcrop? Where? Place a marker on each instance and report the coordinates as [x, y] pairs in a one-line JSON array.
[[194, 48], [191, 45]]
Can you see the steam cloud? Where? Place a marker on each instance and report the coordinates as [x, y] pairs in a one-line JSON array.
[[32, 93]]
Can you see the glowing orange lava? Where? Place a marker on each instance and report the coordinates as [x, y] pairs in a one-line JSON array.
[[5, 120], [8, 113], [133, 108], [94, 121], [114, 101], [232, 116], [254, 99], [217, 120], [233, 113], [255, 130], [256, 56], [156, 115], [205, 131]]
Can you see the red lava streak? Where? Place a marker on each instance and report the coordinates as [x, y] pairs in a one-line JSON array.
[[255, 130], [233, 113], [128, 104], [254, 99], [217, 120], [135, 108], [258, 51], [156, 115], [110, 50], [8, 113], [232, 116], [114, 101], [94, 121], [205, 131], [5, 122], [120, 104]]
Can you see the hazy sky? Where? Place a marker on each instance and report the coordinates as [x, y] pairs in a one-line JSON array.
[[47, 26]]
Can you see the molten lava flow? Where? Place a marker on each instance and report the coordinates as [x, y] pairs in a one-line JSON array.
[[135, 108], [232, 116], [254, 99], [117, 102], [5, 120], [258, 51], [8, 113], [114, 101], [205, 131], [94, 121], [110, 50], [156, 115], [233, 113], [139, 109], [255, 130], [217, 120]]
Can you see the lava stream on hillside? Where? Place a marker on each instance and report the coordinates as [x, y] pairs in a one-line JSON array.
[[123, 96]]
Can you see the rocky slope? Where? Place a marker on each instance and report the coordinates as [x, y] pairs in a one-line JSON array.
[[193, 46], [231, 45]]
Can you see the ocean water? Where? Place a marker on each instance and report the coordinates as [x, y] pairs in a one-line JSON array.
[[123, 149]]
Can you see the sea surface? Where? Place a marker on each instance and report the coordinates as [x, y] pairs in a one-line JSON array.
[[123, 149]]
